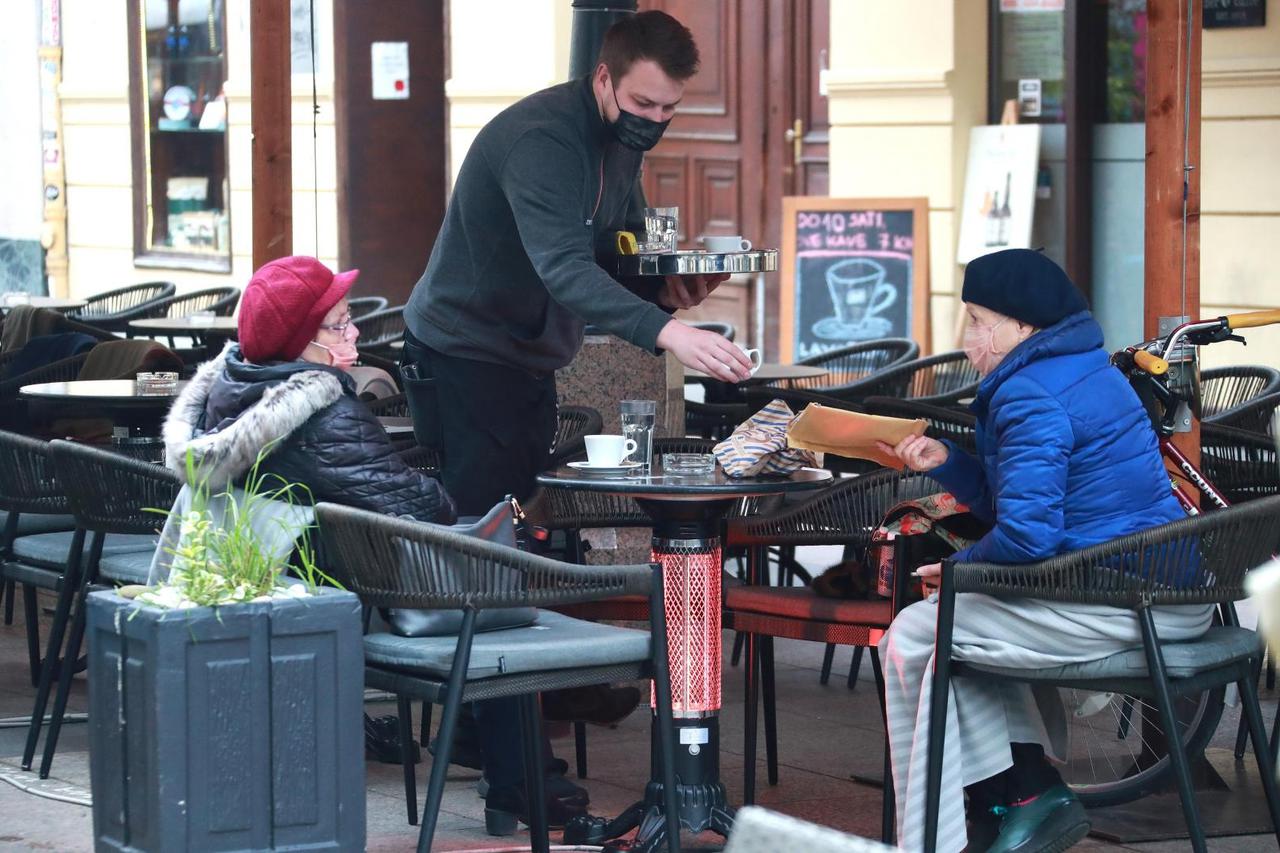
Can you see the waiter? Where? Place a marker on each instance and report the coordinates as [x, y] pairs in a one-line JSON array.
[[516, 273], [514, 278]]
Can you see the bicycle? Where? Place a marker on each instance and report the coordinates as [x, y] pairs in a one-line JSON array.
[[1124, 754]]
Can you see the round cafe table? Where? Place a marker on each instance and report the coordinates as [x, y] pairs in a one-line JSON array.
[[687, 512], [209, 332], [118, 399]]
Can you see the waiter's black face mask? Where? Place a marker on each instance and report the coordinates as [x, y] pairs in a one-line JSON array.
[[636, 132]]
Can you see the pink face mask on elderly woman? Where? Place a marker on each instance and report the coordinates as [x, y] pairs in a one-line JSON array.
[[989, 337], [342, 355]]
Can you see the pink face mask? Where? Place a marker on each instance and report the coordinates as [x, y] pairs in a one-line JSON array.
[[980, 346], [343, 355]]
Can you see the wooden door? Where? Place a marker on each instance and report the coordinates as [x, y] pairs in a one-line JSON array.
[[711, 158], [392, 155], [797, 142]]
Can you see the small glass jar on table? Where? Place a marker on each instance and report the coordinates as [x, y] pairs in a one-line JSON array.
[[638, 418]]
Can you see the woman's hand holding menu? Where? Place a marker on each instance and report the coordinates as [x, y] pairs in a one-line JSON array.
[[918, 452]]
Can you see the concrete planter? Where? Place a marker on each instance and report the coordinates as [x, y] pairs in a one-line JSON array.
[[235, 728]]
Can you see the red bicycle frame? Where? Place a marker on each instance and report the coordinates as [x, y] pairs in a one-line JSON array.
[[1171, 452]]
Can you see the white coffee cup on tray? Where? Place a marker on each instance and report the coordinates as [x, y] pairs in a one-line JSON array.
[[721, 243], [608, 451]]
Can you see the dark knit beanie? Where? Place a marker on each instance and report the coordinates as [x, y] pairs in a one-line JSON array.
[[1022, 284]]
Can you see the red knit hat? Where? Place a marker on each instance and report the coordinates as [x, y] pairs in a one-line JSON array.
[[284, 304]]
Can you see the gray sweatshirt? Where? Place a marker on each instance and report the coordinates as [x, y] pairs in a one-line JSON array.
[[516, 270]]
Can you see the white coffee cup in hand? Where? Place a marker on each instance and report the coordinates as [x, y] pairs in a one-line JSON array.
[[754, 355], [723, 243], [608, 451]]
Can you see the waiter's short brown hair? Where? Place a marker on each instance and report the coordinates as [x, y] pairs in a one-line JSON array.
[[655, 36]]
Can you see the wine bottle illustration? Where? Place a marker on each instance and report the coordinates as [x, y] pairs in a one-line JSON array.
[[1002, 228], [991, 222]]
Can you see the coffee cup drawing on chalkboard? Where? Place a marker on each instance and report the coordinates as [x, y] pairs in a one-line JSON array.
[[859, 294]]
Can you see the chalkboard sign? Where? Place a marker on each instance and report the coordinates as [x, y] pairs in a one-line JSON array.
[[852, 270], [1234, 13]]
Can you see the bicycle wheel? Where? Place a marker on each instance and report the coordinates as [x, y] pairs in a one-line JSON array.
[[1118, 747]]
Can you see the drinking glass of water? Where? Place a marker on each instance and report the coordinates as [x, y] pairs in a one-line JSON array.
[[637, 424]]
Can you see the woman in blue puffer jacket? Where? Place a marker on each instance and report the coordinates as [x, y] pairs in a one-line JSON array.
[[1066, 459]]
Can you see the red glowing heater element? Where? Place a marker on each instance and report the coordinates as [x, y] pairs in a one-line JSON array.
[[691, 579]]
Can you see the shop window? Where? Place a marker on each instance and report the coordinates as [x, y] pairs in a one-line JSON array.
[[178, 70], [1030, 60], [1126, 98]]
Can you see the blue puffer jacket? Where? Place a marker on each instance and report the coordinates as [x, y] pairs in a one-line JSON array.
[[1067, 457]]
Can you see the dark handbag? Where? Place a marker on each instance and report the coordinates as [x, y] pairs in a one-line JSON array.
[[498, 525]]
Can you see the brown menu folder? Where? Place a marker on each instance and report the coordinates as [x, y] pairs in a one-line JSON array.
[[851, 434]]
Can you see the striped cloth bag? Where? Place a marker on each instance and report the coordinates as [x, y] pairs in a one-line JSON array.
[[759, 445]]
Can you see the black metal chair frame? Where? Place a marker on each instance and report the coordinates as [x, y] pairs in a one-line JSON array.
[[849, 366], [380, 329], [113, 310], [846, 514], [363, 306], [1226, 391], [1221, 547], [368, 552], [573, 425], [28, 485], [107, 493], [1244, 465], [725, 330]]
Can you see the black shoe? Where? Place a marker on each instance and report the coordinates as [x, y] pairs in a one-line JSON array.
[[597, 704], [504, 806], [382, 740]]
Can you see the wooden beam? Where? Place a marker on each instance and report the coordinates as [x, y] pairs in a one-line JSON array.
[[272, 127], [1172, 251]]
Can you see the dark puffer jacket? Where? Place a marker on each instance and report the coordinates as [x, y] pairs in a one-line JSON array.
[[320, 434]]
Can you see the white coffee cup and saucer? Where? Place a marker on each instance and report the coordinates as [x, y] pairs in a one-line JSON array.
[[725, 244], [608, 454]]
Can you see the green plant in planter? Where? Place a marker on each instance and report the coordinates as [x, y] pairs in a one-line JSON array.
[[231, 562]]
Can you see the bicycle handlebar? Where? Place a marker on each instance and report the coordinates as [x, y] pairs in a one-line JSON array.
[[1152, 364], [1252, 319]]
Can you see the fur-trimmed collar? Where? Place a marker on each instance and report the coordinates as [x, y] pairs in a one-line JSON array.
[[222, 457]]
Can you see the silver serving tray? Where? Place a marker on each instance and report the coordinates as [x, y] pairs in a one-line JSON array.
[[694, 262]]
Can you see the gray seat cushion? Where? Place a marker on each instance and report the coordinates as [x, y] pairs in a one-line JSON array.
[[34, 522], [1220, 645], [554, 641], [133, 567], [49, 550]]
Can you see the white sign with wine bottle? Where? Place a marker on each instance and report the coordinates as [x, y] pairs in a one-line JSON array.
[[999, 190]]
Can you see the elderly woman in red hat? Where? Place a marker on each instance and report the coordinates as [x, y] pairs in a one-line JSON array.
[[286, 388]]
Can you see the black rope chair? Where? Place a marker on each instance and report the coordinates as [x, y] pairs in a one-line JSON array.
[[380, 329], [846, 514], [221, 301], [851, 364], [396, 563], [726, 330], [1257, 415], [714, 421], [943, 379], [1225, 390], [1199, 560], [115, 309], [33, 504], [113, 496], [362, 306], [1243, 464], [573, 425]]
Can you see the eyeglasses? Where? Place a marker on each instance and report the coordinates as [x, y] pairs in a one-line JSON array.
[[340, 328]]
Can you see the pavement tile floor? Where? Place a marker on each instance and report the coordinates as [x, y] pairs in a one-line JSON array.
[[826, 734]]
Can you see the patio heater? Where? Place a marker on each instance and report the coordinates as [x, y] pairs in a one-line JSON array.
[[590, 20]]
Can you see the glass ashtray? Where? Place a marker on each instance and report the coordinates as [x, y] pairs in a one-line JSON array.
[[688, 464], [157, 383]]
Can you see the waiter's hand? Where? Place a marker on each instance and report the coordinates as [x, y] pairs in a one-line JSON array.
[[701, 350], [688, 291]]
